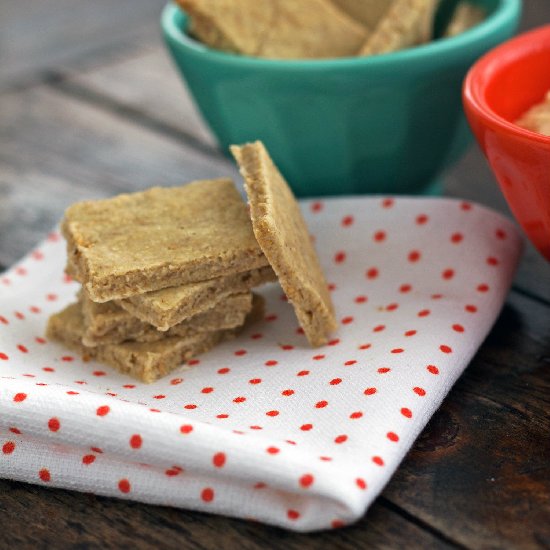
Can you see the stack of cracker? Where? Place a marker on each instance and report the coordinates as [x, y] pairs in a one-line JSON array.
[[167, 273]]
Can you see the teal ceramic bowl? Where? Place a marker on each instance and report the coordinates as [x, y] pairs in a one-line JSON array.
[[382, 124]]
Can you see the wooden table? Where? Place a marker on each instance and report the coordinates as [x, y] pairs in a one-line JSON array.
[[89, 107]]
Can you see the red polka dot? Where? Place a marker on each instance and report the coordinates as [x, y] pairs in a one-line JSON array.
[[256, 336], [337, 524], [347, 320], [260, 485], [88, 459], [287, 392], [458, 328], [287, 347], [272, 450], [186, 429], [361, 299], [335, 381], [271, 317], [331, 287], [372, 273], [18, 397], [19, 315], [350, 362], [190, 406], [392, 307], [433, 369], [306, 427], [272, 413], [44, 475], [445, 349], [379, 236], [448, 274], [306, 481], [355, 415], [421, 219], [136, 441], [392, 436], [339, 257], [483, 288], [15, 431], [361, 483], [3, 356], [54, 424], [219, 460], [419, 391], [378, 460], [223, 370], [303, 373], [34, 309], [207, 390], [406, 412], [410, 333], [51, 297], [68, 359], [424, 313], [207, 494], [271, 363], [124, 486], [405, 288], [39, 340], [239, 399], [292, 515], [388, 203], [465, 206], [3, 320], [240, 352], [318, 357], [255, 381], [316, 206], [222, 416], [8, 447], [397, 350], [436, 296], [379, 328], [491, 260], [103, 410], [414, 256], [500, 234], [192, 362], [347, 221], [383, 370], [365, 346], [48, 369], [171, 472], [471, 308], [457, 238], [370, 391], [340, 439], [321, 404]]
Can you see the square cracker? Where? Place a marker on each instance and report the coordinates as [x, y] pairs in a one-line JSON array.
[[278, 29], [162, 237], [282, 233], [407, 23], [108, 323], [465, 16], [145, 361], [170, 306], [367, 12]]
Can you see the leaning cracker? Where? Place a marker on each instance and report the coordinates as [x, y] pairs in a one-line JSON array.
[[465, 16], [283, 236], [407, 23], [305, 29]]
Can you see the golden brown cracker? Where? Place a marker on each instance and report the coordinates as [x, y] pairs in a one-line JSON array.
[[282, 233]]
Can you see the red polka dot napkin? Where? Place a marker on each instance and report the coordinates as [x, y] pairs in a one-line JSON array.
[[265, 427]]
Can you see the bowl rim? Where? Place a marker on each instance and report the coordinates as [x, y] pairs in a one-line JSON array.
[[477, 80], [505, 11]]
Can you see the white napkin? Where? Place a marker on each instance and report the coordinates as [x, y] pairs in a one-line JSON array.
[[265, 427]]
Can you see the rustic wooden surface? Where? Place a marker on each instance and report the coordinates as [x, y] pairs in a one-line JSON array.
[[90, 106]]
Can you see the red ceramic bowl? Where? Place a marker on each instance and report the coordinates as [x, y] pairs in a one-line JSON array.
[[499, 88]]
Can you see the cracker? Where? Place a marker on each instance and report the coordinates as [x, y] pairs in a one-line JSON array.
[[145, 361], [236, 26], [170, 306], [277, 29], [465, 16], [162, 237], [537, 118], [367, 12], [407, 23], [282, 233], [108, 323]]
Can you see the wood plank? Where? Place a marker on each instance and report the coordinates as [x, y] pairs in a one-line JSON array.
[[97, 522], [39, 34], [55, 150], [480, 472]]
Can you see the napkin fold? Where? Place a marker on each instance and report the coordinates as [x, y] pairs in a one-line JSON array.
[[264, 427]]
